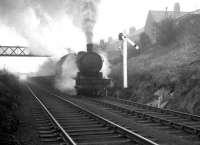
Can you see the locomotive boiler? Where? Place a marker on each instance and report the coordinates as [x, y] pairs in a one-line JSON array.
[[89, 79]]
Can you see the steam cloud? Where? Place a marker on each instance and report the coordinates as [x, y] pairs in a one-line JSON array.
[[31, 17], [65, 78], [106, 64], [84, 15], [48, 68]]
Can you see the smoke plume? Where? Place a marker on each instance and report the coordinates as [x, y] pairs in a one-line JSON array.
[[84, 15], [33, 19], [67, 72], [106, 64], [48, 68]]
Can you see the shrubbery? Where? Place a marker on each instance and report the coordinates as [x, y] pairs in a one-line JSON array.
[[144, 41], [9, 90], [166, 32]]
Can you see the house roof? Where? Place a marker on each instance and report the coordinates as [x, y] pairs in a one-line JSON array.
[[160, 15]]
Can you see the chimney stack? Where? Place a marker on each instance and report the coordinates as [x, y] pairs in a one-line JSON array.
[[89, 47]]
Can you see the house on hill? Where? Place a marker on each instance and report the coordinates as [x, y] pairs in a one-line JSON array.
[[154, 17]]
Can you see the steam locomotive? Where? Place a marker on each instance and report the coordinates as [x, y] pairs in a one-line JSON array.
[[89, 79]]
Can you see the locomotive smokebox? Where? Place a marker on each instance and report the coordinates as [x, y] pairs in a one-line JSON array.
[[90, 47]]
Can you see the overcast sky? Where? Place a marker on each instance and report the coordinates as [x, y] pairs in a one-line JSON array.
[[114, 16], [117, 15]]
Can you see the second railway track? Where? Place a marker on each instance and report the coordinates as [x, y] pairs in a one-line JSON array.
[[186, 125], [186, 122], [80, 126]]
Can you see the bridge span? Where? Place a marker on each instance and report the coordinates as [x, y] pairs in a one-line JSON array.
[[21, 51]]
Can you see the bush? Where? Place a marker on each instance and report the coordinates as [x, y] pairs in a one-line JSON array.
[[8, 105], [166, 32], [144, 41]]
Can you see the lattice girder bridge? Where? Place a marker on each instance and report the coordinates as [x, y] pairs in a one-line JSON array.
[[18, 51]]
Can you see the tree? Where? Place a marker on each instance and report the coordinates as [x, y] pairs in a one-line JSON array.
[[166, 32], [144, 40], [132, 30]]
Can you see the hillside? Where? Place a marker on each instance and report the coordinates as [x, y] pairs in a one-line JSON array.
[[9, 105], [169, 72]]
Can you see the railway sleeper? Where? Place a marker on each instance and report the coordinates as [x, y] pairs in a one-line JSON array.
[[43, 121], [166, 111], [86, 135], [79, 118], [44, 124], [180, 126], [77, 115], [75, 121], [161, 120], [114, 142], [87, 129], [48, 131], [91, 133], [96, 136], [45, 127], [52, 139], [40, 119], [193, 124], [84, 126], [78, 123], [49, 135], [191, 130]]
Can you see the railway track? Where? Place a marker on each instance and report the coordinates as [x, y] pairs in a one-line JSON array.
[[187, 123], [68, 123], [50, 131], [153, 130]]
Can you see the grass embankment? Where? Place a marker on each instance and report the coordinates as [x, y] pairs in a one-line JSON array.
[[171, 71], [9, 92]]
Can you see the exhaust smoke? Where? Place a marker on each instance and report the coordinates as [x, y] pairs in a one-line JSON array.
[[43, 23], [84, 15], [106, 69], [66, 73]]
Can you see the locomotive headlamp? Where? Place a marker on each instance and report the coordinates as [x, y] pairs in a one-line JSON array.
[[123, 37]]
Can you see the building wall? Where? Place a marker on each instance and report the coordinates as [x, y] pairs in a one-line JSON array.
[[156, 17], [150, 28]]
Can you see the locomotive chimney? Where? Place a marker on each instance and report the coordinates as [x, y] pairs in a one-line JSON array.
[[89, 47]]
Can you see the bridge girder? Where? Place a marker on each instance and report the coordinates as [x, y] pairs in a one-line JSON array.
[[21, 51]]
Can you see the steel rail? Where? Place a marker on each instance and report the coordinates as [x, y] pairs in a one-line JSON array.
[[130, 134], [59, 127], [169, 111], [161, 120]]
